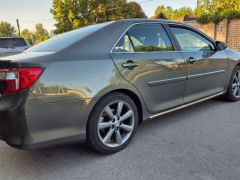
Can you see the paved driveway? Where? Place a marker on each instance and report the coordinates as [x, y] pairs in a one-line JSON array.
[[201, 142]]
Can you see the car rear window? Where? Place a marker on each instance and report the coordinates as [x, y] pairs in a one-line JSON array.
[[65, 40], [12, 42]]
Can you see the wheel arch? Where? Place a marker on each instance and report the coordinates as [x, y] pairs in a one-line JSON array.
[[238, 64], [136, 100], [129, 93]]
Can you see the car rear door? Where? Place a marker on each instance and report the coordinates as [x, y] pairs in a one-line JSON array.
[[207, 68], [145, 57]]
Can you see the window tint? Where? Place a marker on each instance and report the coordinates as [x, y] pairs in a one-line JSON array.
[[191, 41], [12, 42], [19, 42], [4, 43], [124, 45], [144, 38], [149, 37]]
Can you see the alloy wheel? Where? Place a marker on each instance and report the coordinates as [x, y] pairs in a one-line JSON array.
[[116, 124], [236, 85]]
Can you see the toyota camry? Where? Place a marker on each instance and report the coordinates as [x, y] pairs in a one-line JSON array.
[[98, 83]]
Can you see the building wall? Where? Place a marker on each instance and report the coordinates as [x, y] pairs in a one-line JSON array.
[[227, 31]]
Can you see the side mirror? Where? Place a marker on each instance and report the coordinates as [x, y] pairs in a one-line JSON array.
[[220, 45]]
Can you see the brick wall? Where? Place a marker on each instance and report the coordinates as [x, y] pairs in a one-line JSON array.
[[227, 31], [234, 34]]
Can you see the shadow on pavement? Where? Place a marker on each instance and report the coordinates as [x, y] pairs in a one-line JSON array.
[[70, 155]]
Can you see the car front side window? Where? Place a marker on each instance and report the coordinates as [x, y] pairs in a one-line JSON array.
[[191, 41]]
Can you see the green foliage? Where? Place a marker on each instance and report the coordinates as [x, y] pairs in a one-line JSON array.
[[6, 29], [233, 14], [29, 36], [217, 10], [38, 36], [41, 34], [152, 48], [72, 14], [170, 13], [167, 11], [135, 11], [182, 12], [218, 17]]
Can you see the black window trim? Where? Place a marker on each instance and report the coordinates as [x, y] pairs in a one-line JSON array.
[[187, 27], [174, 45], [130, 39]]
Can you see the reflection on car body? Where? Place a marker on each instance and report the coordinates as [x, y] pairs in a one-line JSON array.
[[99, 82]]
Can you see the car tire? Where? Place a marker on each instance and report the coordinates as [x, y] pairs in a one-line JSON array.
[[112, 123], [233, 92]]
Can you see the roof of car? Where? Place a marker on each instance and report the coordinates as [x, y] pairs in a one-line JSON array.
[[11, 38], [139, 20]]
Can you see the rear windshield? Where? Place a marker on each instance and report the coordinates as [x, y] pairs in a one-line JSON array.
[[63, 41], [12, 42]]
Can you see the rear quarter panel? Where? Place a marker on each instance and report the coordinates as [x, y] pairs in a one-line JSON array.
[[67, 92]]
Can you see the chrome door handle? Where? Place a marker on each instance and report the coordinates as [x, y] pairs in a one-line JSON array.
[[191, 60], [130, 64]]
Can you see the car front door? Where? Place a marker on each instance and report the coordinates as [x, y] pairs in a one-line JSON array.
[[145, 57], [207, 68]]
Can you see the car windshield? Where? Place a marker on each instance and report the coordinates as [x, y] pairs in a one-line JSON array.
[[12, 42], [63, 41]]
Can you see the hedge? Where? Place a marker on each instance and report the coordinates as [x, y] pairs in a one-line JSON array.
[[218, 17]]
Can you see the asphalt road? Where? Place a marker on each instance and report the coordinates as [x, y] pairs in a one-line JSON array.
[[201, 142]]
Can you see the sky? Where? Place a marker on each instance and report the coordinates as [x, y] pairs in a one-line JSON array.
[[31, 12]]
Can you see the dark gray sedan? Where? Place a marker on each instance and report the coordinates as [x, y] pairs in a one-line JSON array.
[[98, 83]]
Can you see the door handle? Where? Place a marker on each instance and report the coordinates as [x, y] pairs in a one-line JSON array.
[[130, 64], [191, 60]]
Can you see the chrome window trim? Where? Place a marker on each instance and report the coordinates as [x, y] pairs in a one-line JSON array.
[[191, 28], [142, 52], [154, 52], [161, 23], [130, 26]]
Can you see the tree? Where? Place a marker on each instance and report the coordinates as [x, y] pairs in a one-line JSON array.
[[135, 10], [213, 6], [217, 10], [29, 36], [38, 36], [72, 14], [182, 12], [170, 13], [41, 34], [167, 11], [6, 29]]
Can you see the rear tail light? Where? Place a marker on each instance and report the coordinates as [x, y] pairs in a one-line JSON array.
[[18, 79]]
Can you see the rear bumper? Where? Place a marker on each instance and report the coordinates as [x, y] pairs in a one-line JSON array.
[[13, 128], [27, 123]]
